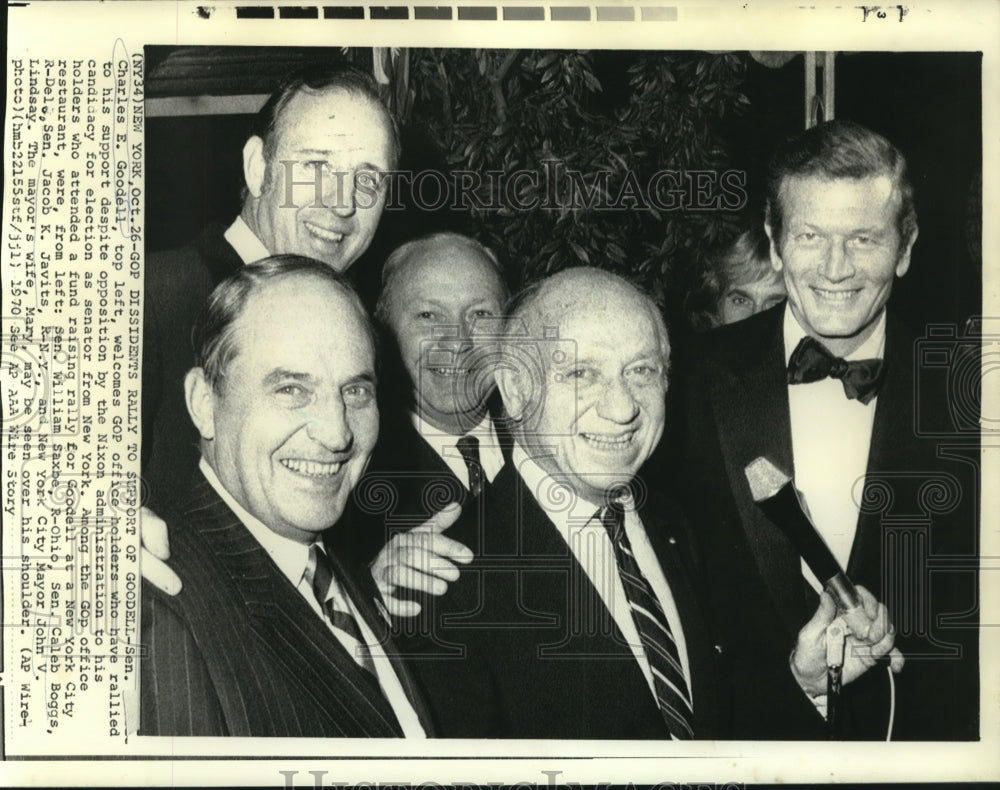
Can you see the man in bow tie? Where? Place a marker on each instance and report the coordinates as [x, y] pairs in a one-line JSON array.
[[823, 386], [582, 613]]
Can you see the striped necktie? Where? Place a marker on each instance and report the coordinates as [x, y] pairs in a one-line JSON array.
[[671, 689], [330, 599], [468, 446]]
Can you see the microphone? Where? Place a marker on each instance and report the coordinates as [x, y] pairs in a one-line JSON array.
[[774, 494]]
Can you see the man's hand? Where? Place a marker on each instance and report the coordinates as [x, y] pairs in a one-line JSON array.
[[155, 552], [422, 559], [809, 656]]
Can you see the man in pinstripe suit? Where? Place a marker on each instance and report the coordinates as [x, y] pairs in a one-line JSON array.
[[271, 634]]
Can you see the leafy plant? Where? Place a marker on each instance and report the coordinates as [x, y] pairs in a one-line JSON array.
[[593, 156]]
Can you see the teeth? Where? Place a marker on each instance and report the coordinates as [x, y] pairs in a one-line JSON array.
[[326, 235], [608, 442], [835, 296], [311, 468]]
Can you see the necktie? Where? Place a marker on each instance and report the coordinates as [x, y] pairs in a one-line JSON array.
[[811, 362], [468, 446], [671, 688], [335, 609]]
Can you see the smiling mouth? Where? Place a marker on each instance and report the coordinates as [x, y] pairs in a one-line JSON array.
[[307, 468], [604, 441], [329, 236], [835, 296]]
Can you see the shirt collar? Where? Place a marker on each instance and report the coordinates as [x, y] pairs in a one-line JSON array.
[[289, 555], [564, 507], [485, 431], [872, 348], [245, 242]]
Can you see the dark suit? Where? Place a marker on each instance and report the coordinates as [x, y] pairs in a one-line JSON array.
[[240, 652], [920, 501], [177, 284], [523, 647], [406, 482]]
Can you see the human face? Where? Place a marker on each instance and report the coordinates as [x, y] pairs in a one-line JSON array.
[[839, 254], [444, 293], [602, 408], [322, 192], [295, 417], [742, 300]]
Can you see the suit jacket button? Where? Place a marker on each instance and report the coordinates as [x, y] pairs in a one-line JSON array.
[[672, 541], [718, 649]]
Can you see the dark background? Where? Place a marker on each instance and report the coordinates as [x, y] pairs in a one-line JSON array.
[[928, 104]]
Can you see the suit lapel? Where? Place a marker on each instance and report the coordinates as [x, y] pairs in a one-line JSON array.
[[698, 638], [287, 626], [892, 424], [751, 409], [359, 585], [575, 595], [562, 588], [220, 258]]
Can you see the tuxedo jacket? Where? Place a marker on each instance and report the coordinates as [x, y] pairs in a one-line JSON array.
[[915, 542], [240, 652], [521, 646], [177, 285]]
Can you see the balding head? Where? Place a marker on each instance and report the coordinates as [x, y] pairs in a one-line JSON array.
[[440, 294], [583, 376]]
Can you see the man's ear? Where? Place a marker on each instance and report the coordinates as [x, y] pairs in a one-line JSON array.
[[776, 262], [511, 386], [200, 399], [254, 165], [903, 264]]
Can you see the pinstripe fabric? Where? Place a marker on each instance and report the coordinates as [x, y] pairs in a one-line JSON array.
[[239, 652]]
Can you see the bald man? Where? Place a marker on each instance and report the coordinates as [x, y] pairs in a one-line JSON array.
[[440, 313], [581, 615]]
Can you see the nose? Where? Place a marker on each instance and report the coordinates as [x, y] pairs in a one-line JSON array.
[[616, 403], [837, 266], [457, 338], [327, 425], [342, 194]]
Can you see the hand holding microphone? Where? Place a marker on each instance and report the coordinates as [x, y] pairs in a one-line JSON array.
[[809, 660], [871, 634]]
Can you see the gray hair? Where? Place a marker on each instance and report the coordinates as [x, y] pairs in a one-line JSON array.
[[213, 337], [399, 257]]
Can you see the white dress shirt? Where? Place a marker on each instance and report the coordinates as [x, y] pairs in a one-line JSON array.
[[831, 436], [292, 559], [245, 242], [588, 539], [446, 446]]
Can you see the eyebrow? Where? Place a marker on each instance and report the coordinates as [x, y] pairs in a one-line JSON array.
[[368, 377], [647, 353], [653, 353], [328, 152], [278, 375], [867, 229], [281, 374]]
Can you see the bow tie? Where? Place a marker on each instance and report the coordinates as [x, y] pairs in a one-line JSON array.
[[811, 362]]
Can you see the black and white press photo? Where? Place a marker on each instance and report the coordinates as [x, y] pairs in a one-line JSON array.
[[582, 299], [548, 394]]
